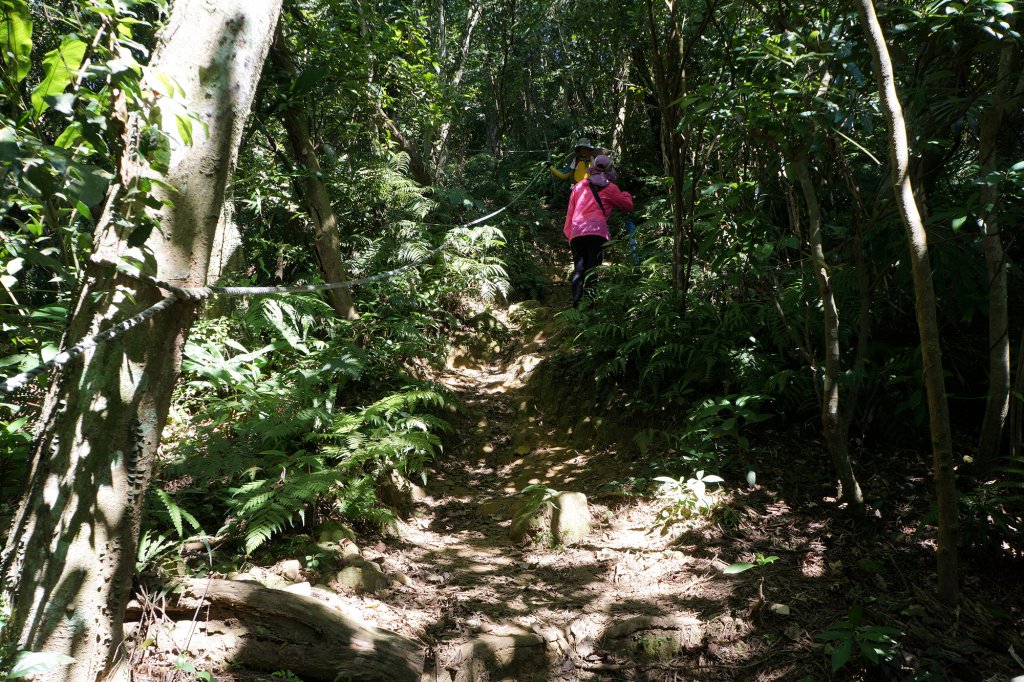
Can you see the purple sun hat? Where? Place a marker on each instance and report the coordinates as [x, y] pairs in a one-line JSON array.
[[602, 172]]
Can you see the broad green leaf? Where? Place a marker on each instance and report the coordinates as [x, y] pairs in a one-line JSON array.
[[30, 663], [184, 665], [16, 40], [59, 68], [184, 129], [841, 654], [737, 568], [48, 352], [71, 135]]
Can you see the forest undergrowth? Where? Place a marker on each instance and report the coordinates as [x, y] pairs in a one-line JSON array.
[[445, 471], [709, 568]]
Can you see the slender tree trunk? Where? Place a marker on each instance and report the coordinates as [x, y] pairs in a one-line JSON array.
[[70, 557], [1016, 420], [314, 191], [832, 423], [417, 166], [622, 92], [927, 319], [670, 83], [864, 289], [997, 405], [472, 19]]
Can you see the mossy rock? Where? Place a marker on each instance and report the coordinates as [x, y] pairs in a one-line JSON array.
[[563, 519], [570, 518], [400, 494], [647, 638], [332, 531], [528, 314], [530, 523], [361, 575]]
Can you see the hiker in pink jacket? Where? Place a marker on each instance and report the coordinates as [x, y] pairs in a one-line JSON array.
[[591, 202]]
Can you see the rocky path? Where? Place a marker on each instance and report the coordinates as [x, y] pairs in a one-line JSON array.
[[595, 594], [614, 601], [585, 590]]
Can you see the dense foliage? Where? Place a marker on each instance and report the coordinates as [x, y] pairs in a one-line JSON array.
[[426, 115]]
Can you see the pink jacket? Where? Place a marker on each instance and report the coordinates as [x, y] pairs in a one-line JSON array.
[[585, 216]]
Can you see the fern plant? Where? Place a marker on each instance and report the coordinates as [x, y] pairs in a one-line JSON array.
[[394, 433]]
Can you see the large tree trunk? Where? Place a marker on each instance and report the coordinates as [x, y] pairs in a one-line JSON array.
[[927, 319], [997, 405], [417, 166], [314, 191], [832, 423], [70, 557]]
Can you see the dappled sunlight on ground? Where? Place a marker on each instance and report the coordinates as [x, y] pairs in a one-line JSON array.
[[627, 601]]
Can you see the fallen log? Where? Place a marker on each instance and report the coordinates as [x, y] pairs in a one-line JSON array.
[[255, 627]]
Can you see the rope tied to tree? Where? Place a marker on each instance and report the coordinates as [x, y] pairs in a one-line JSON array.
[[199, 294]]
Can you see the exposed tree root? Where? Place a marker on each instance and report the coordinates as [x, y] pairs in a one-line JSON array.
[[242, 624]]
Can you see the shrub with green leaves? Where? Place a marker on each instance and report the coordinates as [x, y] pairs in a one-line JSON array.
[[685, 498], [288, 421], [851, 639]]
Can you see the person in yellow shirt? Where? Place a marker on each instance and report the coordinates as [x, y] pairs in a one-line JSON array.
[[576, 169]]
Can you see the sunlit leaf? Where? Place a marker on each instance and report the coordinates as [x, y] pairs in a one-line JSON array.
[[29, 663], [59, 68], [16, 40]]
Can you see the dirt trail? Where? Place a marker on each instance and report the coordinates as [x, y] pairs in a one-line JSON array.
[[622, 603]]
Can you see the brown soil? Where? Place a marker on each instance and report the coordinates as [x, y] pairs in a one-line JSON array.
[[630, 603]]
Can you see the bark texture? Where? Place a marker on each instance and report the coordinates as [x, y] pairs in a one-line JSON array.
[[927, 319], [70, 557], [997, 405], [833, 424], [314, 191], [622, 102]]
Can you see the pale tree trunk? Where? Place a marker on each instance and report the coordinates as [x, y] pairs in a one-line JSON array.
[[997, 405], [832, 423], [864, 289], [473, 15], [927, 319], [226, 254], [622, 91], [69, 560], [311, 185]]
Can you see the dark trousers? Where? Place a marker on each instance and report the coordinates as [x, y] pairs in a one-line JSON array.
[[587, 254]]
